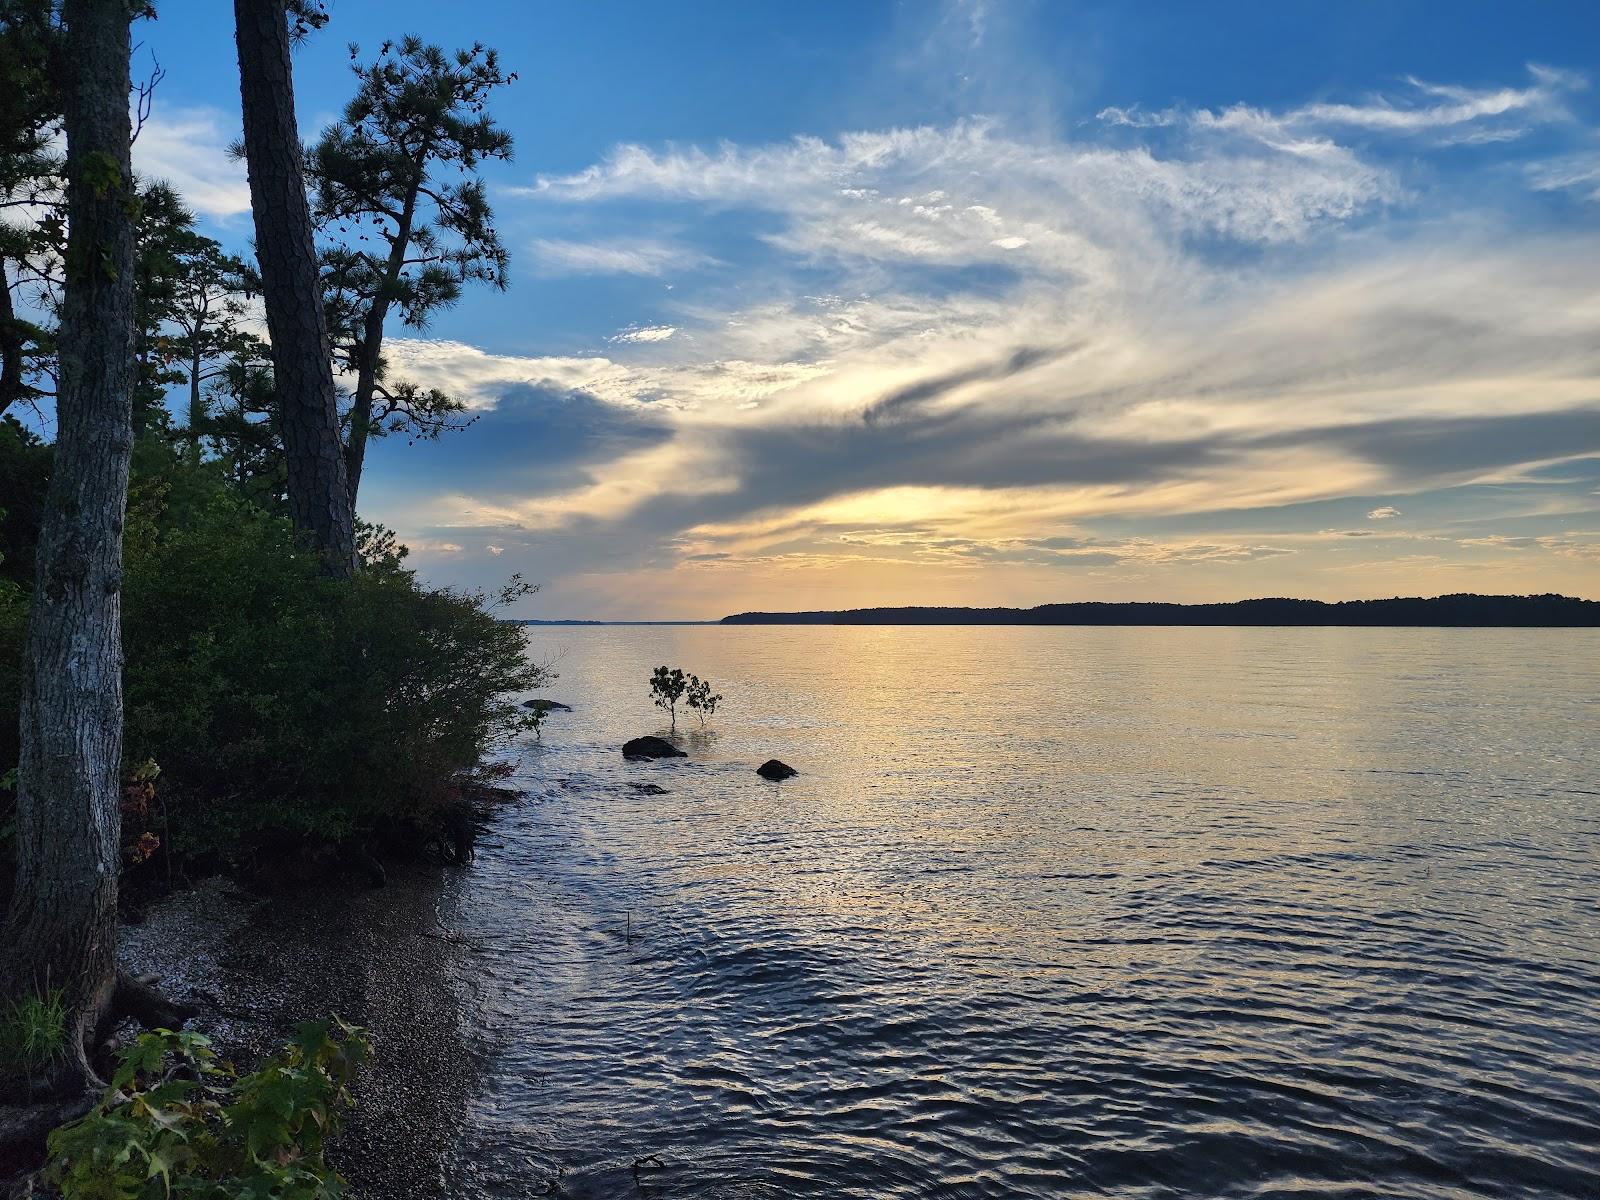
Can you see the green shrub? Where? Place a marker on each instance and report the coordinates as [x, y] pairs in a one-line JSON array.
[[176, 1122], [283, 705]]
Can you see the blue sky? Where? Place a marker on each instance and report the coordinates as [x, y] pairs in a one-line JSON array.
[[995, 302]]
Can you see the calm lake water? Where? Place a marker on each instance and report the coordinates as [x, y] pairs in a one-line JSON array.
[[1050, 913]]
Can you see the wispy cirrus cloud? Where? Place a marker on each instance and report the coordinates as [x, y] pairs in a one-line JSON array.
[[1579, 172], [1422, 108], [636, 256]]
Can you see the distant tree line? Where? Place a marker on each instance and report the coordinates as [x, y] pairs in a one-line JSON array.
[[1463, 610]]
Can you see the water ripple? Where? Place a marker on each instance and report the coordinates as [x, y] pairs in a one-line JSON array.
[[1138, 913]]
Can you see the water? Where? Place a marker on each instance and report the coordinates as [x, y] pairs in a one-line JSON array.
[[1050, 913]]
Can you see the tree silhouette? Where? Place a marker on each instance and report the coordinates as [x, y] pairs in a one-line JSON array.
[[401, 235]]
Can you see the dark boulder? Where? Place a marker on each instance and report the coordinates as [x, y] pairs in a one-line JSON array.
[[649, 789], [774, 770], [651, 747], [545, 706]]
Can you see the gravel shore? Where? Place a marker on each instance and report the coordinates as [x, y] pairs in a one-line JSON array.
[[377, 957]]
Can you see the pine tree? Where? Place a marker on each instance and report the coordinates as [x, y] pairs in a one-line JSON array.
[[319, 499], [397, 190]]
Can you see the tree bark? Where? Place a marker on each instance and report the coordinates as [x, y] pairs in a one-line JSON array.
[[61, 931], [302, 367]]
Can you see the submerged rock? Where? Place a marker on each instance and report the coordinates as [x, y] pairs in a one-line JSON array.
[[649, 789], [774, 770], [651, 747], [539, 705]]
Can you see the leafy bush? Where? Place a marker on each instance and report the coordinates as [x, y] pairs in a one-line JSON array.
[[283, 705], [176, 1122]]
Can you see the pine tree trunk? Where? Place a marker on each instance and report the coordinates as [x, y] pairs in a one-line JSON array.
[[286, 251], [371, 343], [60, 931]]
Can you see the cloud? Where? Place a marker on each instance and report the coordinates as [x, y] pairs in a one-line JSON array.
[[1425, 108], [711, 382], [647, 333], [188, 148], [1568, 173], [623, 257], [868, 193], [966, 345]]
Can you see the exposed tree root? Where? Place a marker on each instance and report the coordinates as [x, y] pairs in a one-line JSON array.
[[135, 998]]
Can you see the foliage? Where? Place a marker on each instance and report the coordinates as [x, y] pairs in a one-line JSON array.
[[177, 1122], [31, 223], [285, 705], [282, 706], [24, 479], [701, 699], [33, 1034], [398, 233], [240, 414], [667, 685]]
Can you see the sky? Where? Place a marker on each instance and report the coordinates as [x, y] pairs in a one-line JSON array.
[[991, 301]]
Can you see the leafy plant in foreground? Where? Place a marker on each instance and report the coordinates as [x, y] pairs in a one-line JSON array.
[[177, 1122]]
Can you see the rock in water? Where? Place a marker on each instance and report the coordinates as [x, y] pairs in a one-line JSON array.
[[546, 705], [651, 747], [774, 770]]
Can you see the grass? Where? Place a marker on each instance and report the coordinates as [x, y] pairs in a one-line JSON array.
[[33, 1034]]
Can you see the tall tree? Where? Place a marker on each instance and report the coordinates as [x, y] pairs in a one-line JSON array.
[[398, 172], [60, 931], [189, 302], [319, 499], [207, 313]]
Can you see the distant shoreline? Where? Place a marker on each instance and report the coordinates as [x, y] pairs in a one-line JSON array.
[[517, 621], [1464, 611]]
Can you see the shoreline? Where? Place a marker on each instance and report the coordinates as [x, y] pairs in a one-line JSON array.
[[257, 964]]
